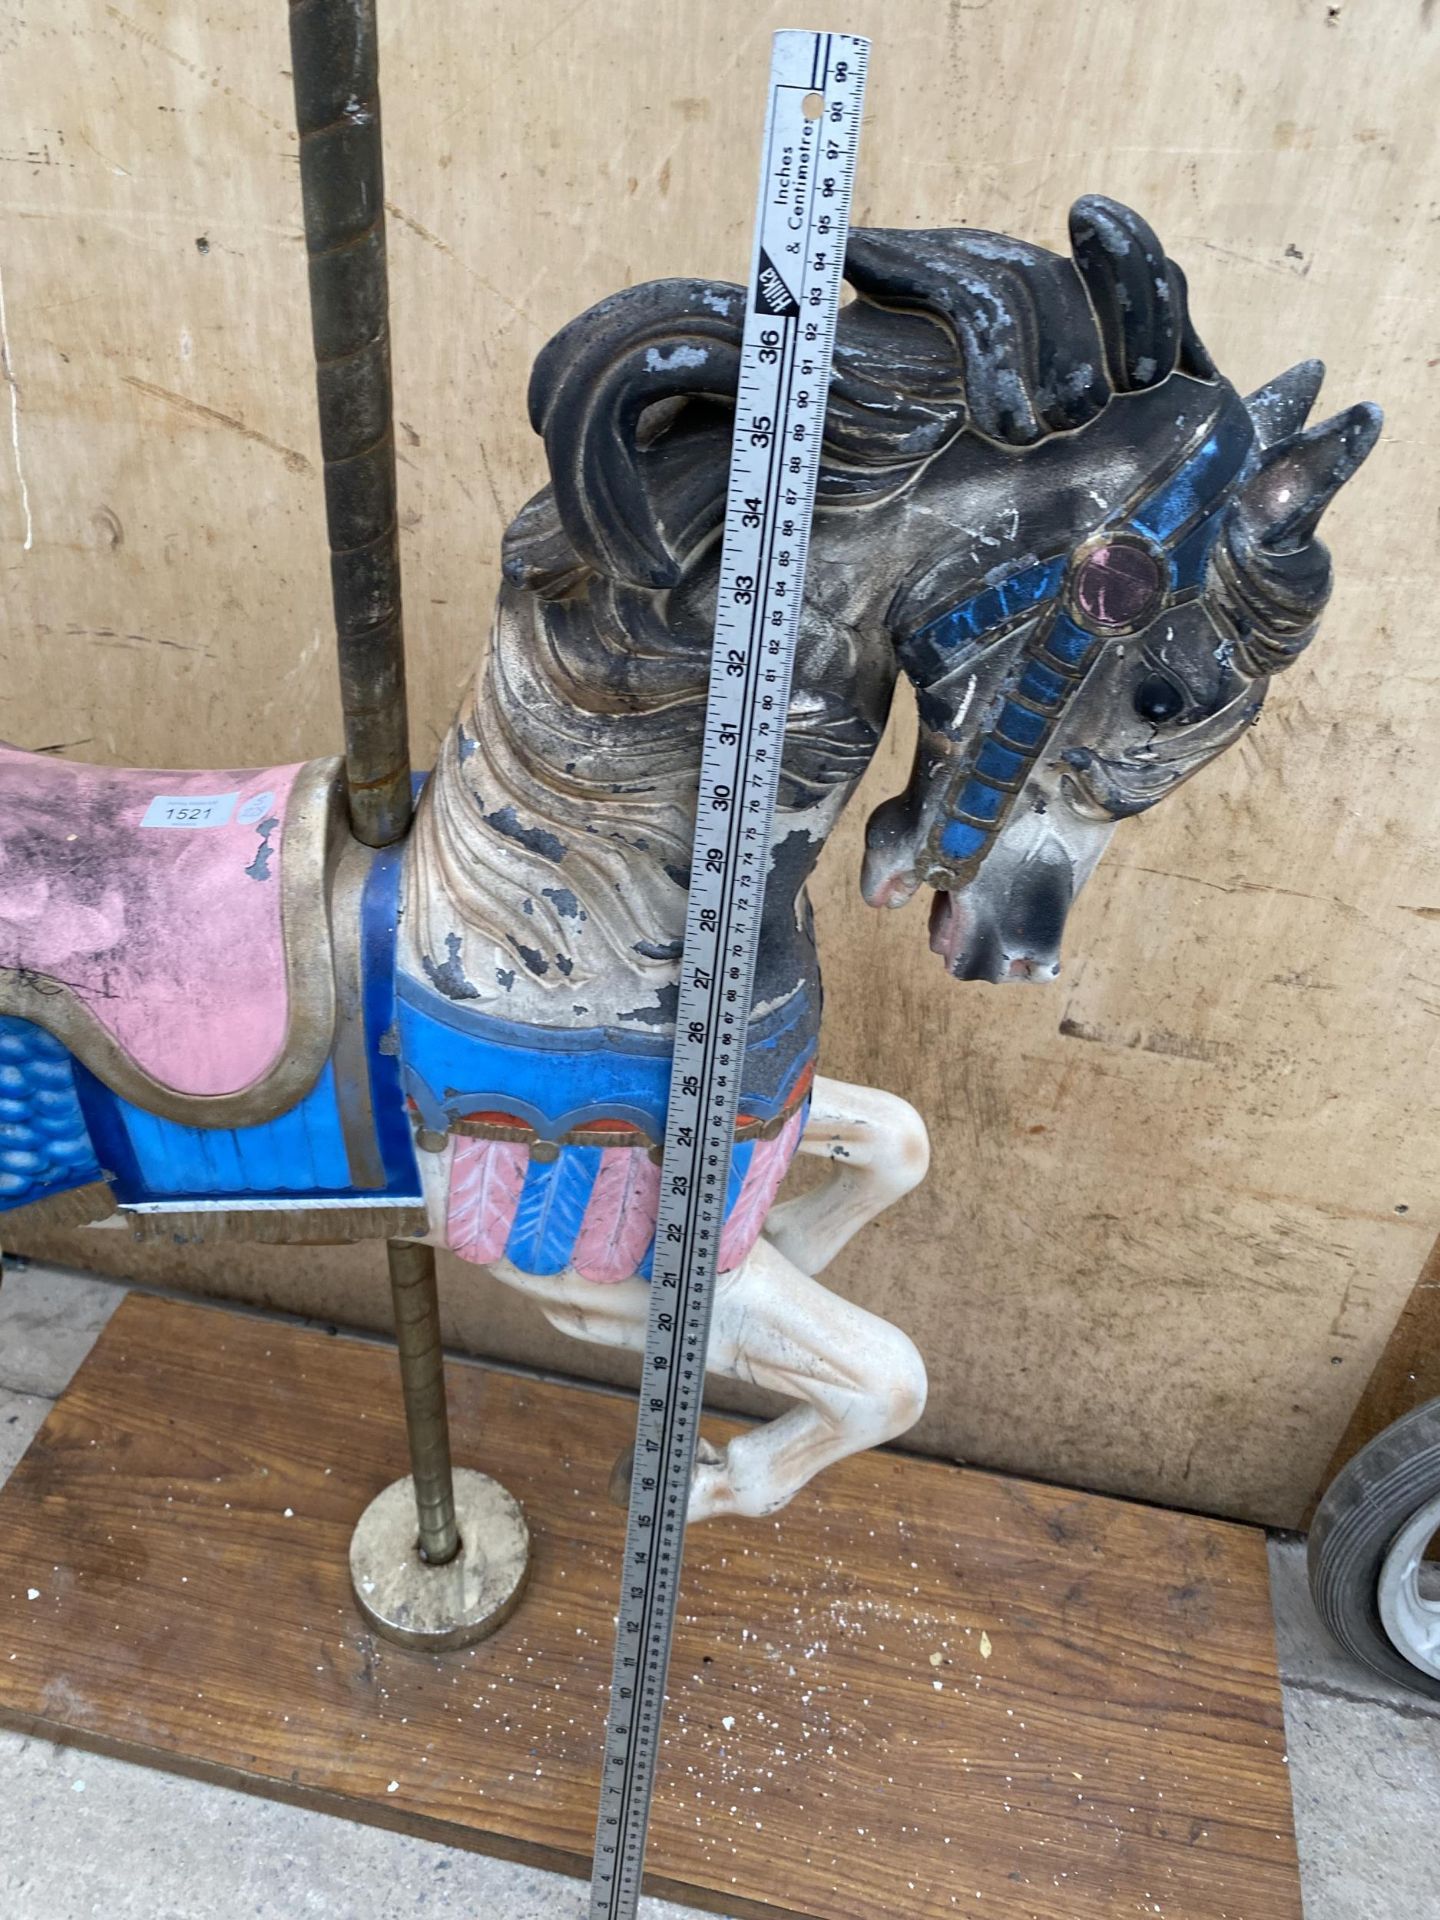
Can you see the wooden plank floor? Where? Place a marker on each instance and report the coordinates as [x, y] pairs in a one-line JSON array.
[[921, 1690]]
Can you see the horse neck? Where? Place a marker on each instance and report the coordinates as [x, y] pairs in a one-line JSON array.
[[549, 863], [526, 884]]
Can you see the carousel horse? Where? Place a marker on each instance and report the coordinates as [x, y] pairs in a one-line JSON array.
[[1040, 503]]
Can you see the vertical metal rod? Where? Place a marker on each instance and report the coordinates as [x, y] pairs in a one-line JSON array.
[[422, 1381], [334, 47], [334, 52]]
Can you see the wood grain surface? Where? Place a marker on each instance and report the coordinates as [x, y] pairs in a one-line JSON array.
[[921, 1690], [1161, 1247]]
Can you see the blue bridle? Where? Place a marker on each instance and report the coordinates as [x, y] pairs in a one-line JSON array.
[[1176, 524]]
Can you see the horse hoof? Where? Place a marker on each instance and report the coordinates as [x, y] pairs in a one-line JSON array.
[[623, 1471], [621, 1474]]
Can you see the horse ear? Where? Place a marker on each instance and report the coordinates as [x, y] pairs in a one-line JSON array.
[[666, 340], [1272, 572], [1282, 406], [1281, 503], [1137, 295]]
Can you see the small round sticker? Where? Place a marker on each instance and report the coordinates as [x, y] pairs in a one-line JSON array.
[[255, 809]]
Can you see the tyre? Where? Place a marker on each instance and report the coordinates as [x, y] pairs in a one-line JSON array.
[[1368, 1578]]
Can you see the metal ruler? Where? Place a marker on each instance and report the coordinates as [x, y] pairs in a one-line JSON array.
[[812, 131]]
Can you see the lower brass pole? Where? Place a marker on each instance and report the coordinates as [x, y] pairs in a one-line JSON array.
[[422, 1382]]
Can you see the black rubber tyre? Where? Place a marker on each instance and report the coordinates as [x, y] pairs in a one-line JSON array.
[[1365, 1506]]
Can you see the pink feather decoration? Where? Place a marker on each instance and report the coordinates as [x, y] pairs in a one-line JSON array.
[[485, 1181], [768, 1165], [620, 1218]]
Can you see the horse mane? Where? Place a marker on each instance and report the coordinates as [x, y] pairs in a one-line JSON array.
[[951, 331]]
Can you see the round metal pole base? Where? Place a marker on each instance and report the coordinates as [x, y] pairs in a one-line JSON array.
[[409, 1601]]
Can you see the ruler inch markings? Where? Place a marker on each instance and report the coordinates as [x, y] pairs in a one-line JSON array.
[[792, 305]]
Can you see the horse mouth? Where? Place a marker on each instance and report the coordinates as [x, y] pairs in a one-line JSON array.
[[973, 946], [1113, 789]]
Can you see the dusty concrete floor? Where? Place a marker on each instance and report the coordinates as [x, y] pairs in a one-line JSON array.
[[83, 1837]]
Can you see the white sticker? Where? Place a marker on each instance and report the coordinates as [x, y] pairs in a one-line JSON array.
[[255, 809], [190, 810]]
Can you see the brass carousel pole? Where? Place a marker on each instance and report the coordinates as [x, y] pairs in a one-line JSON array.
[[422, 1574]]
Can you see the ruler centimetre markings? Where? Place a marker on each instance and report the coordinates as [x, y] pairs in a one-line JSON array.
[[812, 131]]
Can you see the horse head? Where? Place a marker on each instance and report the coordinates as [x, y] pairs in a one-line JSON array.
[[1037, 495], [1152, 564]]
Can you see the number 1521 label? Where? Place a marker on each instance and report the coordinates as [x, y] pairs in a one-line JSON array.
[[190, 810]]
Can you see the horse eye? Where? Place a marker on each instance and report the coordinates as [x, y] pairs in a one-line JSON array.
[[1157, 698]]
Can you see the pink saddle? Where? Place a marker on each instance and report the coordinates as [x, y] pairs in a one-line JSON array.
[[171, 928]]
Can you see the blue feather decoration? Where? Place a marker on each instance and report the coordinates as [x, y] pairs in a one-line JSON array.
[[551, 1209]]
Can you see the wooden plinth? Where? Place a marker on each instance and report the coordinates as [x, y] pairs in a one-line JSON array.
[[920, 1690]]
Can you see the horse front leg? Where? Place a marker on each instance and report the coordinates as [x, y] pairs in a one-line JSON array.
[[612, 1315], [878, 1149], [615, 1315], [859, 1381]]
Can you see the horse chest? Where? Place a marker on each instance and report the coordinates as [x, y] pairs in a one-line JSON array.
[[547, 1140]]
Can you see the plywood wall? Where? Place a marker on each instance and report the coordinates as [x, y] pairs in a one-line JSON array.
[[1179, 1198]]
